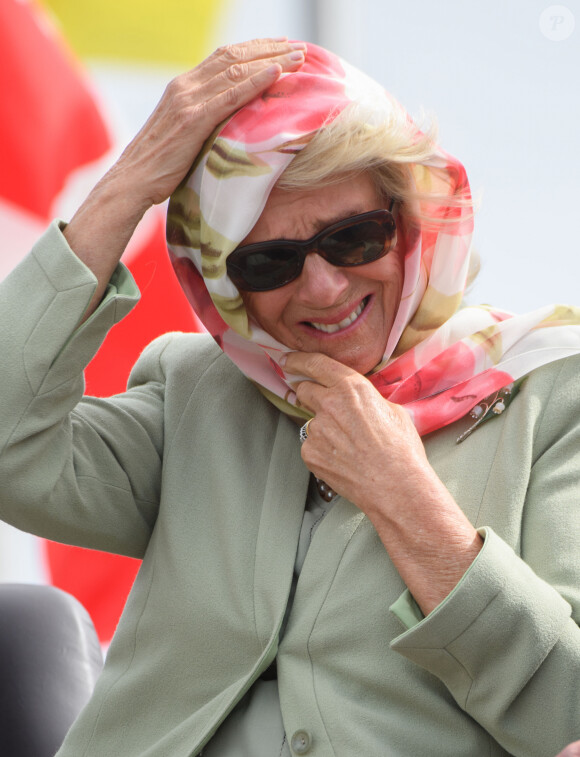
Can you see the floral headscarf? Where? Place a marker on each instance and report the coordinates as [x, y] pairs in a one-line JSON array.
[[440, 360]]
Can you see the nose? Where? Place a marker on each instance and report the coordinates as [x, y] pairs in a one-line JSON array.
[[320, 284]]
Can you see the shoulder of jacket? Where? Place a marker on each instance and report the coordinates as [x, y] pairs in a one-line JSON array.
[[560, 376], [552, 394], [177, 354], [177, 344]]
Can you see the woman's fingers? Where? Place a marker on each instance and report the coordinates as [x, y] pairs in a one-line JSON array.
[[257, 49], [239, 83], [317, 367], [322, 373], [250, 50], [193, 105], [356, 434], [231, 66]]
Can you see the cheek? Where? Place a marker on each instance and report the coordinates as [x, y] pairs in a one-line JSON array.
[[397, 276], [265, 308], [388, 272]]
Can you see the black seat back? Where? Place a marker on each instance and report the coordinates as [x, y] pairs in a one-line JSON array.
[[50, 658]]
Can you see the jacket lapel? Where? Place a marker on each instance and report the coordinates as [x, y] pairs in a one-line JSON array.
[[282, 513]]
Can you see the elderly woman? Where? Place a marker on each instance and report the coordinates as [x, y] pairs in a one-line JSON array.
[[355, 501]]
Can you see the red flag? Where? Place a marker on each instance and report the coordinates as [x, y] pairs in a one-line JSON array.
[[49, 122], [51, 130]]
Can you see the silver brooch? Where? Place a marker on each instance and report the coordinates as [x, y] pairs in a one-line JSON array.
[[490, 407]]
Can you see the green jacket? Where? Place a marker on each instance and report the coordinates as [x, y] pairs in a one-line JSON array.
[[193, 471]]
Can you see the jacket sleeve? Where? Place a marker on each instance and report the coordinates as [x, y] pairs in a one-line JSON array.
[[506, 641], [80, 471]]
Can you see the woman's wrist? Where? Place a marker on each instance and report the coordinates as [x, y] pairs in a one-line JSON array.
[[428, 537], [100, 230]]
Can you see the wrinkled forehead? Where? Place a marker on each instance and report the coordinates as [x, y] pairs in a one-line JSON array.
[[300, 214]]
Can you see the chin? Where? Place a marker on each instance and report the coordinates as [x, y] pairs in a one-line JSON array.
[[359, 363]]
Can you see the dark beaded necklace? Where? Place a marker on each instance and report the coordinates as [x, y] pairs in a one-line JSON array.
[[324, 490]]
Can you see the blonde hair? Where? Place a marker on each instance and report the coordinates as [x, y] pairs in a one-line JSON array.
[[395, 153], [389, 148]]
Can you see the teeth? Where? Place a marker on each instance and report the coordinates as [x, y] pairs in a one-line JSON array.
[[330, 328]]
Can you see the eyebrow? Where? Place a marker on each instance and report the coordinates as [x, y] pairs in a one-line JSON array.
[[354, 211], [323, 224]]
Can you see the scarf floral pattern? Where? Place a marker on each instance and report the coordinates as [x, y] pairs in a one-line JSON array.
[[441, 359]]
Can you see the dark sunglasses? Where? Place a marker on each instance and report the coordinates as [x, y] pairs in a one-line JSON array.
[[354, 241]]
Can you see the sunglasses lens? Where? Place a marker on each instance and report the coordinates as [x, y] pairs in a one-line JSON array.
[[269, 265], [359, 244], [261, 270]]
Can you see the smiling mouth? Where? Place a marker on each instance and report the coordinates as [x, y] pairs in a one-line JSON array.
[[331, 328]]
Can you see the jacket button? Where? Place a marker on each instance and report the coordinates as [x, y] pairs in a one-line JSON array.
[[301, 742]]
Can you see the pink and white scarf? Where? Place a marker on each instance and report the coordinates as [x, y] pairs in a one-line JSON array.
[[441, 360]]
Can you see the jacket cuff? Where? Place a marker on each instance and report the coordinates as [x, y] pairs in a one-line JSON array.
[[67, 291], [406, 608], [494, 629]]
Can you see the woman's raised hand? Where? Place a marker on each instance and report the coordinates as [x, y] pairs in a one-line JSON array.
[[160, 155], [192, 106]]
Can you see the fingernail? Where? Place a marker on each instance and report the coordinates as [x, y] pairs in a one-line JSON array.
[[283, 359], [298, 45], [297, 56]]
